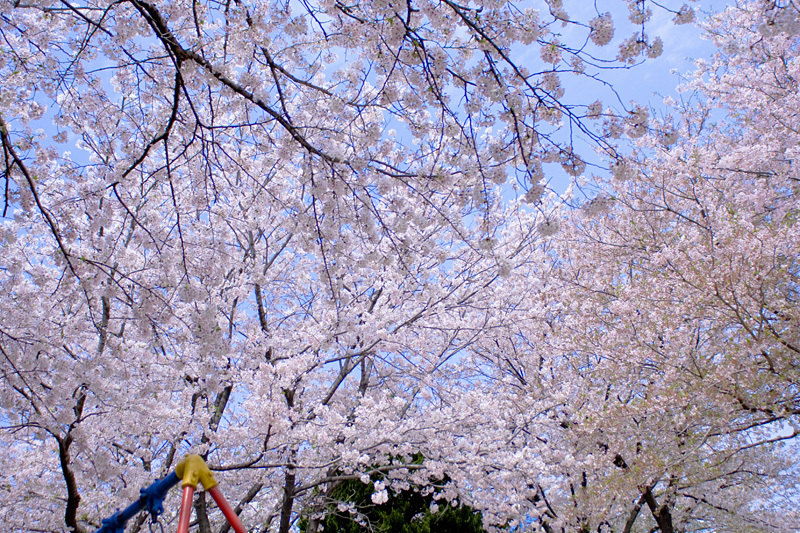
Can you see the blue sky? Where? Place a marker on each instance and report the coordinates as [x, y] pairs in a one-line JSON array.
[[647, 83], [682, 44]]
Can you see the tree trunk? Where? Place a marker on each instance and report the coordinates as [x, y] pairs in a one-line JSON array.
[[661, 514], [288, 501]]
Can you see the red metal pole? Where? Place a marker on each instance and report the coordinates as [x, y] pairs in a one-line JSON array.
[[186, 509], [223, 505]]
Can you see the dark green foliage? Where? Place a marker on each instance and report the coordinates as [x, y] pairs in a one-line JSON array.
[[405, 512]]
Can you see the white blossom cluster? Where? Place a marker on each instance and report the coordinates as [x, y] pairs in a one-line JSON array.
[[551, 52], [381, 495], [598, 205], [631, 48], [548, 227], [668, 136], [685, 15], [656, 48], [557, 9], [637, 121], [623, 170], [552, 84], [639, 13], [572, 163], [595, 109], [779, 20], [534, 194], [602, 29], [636, 45], [613, 126], [578, 64]]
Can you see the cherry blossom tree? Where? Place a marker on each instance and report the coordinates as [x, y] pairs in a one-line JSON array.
[[656, 378], [283, 239]]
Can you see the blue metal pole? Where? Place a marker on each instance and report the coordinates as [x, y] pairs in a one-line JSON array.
[[151, 499]]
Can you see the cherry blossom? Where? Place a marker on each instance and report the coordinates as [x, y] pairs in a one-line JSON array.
[[315, 241], [671, 308], [602, 29]]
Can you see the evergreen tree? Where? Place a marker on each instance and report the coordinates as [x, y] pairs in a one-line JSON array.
[[353, 511]]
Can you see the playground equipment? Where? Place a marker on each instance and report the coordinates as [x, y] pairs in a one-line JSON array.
[[192, 470]]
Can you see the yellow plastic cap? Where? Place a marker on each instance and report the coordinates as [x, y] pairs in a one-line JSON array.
[[193, 470]]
